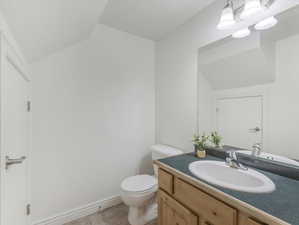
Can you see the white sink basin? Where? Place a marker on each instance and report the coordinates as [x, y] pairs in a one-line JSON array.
[[269, 156], [218, 173]]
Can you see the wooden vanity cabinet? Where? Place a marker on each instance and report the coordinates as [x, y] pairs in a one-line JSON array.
[[172, 212], [182, 203]]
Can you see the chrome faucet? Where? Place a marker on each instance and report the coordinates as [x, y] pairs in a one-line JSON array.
[[232, 161], [256, 149]]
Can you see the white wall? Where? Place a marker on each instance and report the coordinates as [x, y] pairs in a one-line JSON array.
[[176, 79], [93, 120], [204, 104], [176, 72], [6, 31], [283, 105], [280, 101]]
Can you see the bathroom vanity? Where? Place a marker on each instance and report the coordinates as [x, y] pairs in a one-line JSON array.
[[184, 199]]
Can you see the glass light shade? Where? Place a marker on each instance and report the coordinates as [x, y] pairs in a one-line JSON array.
[[251, 7], [241, 33], [266, 23], [227, 18]]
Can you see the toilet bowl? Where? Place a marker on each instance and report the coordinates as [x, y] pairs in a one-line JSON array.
[[139, 192]]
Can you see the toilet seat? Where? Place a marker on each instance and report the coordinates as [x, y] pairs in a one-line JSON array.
[[139, 184]]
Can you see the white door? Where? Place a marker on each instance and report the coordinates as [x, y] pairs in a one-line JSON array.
[[239, 121], [15, 142]]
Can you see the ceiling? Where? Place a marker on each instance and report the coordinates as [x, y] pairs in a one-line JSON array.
[[151, 19], [236, 72], [225, 63], [42, 27]]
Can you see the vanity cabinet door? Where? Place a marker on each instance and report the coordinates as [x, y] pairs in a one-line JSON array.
[[209, 209], [172, 212]]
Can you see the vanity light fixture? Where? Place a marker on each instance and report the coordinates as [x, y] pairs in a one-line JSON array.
[[251, 7], [266, 23], [227, 16], [241, 33]]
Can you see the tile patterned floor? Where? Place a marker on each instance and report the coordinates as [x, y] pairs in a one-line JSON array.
[[117, 215]]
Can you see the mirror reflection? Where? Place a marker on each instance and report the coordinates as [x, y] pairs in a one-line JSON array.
[[249, 89]]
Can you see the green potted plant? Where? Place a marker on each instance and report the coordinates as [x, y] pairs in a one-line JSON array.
[[200, 144], [216, 139]]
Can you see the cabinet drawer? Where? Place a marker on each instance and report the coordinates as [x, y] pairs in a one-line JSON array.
[[207, 207], [165, 181]]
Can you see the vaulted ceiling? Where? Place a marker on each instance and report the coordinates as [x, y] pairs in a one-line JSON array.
[[42, 27], [151, 19]]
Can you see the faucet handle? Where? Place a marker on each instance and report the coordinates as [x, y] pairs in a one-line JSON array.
[[257, 145], [232, 155]]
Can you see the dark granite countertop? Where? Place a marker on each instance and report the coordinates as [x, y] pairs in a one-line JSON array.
[[283, 203]]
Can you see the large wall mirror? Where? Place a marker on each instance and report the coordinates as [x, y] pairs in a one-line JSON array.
[[249, 91]]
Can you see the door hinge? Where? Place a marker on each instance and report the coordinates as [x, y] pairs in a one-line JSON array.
[[28, 106], [28, 209]]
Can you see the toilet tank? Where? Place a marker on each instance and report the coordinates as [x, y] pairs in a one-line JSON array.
[[163, 151]]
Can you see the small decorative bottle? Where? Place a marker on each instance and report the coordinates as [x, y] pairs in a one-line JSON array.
[[201, 153]]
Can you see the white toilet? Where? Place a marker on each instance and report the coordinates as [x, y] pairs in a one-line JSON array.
[[139, 192]]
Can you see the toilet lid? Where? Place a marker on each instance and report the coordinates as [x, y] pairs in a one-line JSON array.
[[139, 183]]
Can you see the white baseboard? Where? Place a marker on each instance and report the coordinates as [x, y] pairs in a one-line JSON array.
[[79, 212]]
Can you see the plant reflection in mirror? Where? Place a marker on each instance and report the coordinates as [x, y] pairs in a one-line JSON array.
[[216, 139]]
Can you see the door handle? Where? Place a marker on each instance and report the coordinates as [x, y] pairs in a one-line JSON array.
[[255, 130], [9, 162]]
